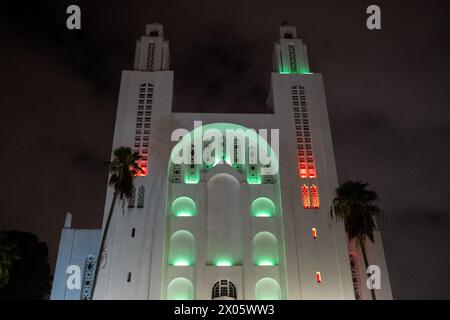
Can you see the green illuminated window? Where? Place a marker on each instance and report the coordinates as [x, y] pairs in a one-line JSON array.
[[183, 207], [263, 207], [265, 249], [192, 176], [267, 289], [253, 175], [180, 289], [182, 249]]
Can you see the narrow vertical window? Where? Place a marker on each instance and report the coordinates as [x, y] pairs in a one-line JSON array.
[[318, 277], [133, 232], [88, 278], [292, 58], [314, 197], [141, 195], [131, 201], [129, 277], [314, 233], [143, 121], [150, 56], [305, 197]]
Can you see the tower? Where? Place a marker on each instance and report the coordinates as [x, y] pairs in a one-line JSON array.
[[217, 226]]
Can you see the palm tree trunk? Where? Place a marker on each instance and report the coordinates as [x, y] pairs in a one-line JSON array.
[[102, 243], [366, 263]]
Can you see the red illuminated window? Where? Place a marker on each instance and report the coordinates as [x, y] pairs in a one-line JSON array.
[[311, 170], [318, 277], [302, 170], [314, 197], [305, 197], [314, 233], [143, 165], [145, 90]]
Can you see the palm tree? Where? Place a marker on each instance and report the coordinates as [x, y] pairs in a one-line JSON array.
[[355, 206], [123, 168], [8, 255]]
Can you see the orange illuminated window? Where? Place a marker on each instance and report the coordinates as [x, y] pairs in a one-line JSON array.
[[143, 165], [302, 170], [312, 172], [314, 233], [318, 277], [314, 197], [305, 197]]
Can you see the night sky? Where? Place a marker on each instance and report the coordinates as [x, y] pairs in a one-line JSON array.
[[388, 95]]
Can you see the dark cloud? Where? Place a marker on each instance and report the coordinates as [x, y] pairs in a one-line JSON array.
[[387, 92]]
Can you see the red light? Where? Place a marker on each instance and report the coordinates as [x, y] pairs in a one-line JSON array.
[[305, 197], [144, 170], [302, 170], [318, 277], [314, 233], [315, 197]]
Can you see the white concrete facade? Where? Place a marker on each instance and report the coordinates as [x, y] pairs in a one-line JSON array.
[[76, 247], [189, 228]]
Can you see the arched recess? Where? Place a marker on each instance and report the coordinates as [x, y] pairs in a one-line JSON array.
[[265, 249], [224, 222], [182, 249], [180, 289], [267, 289], [263, 207], [183, 207]]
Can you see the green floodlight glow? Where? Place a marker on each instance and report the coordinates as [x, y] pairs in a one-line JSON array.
[[192, 177], [184, 214], [265, 249], [263, 207], [183, 207], [263, 214], [182, 263], [266, 263], [223, 263], [302, 70], [180, 289], [181, 249], [254, 179], [267, 289]]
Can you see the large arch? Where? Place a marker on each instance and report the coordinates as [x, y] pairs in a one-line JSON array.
[[182, 249], [267, 289], [265, 249], [224, 223], [230, 136], [180, 289]]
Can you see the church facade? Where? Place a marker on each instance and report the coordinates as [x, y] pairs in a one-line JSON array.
[[219, 228]]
